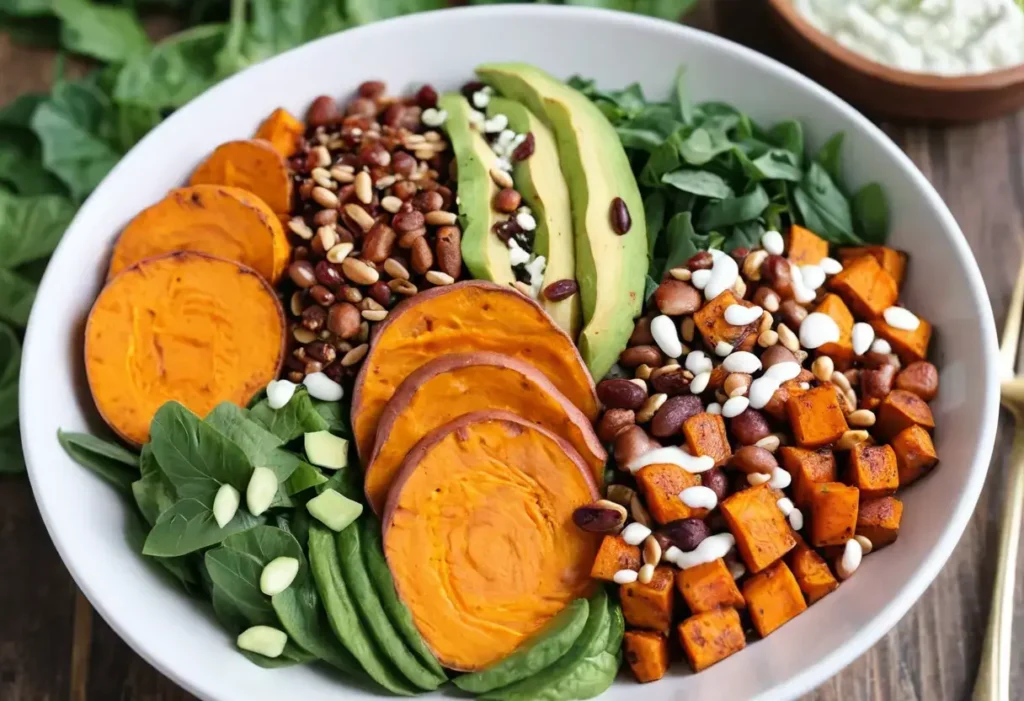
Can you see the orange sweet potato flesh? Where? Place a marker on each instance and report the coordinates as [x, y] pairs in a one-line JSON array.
[[816, 417], [915, 454], [614, 554], [894, 262], [647, 654], [866, 287], [873, 470], [805, 247], [879, 520], [713, 328], [762, 533], [226, 222], [910, 346], [185, 327], [283, 130], [710, 637], [833, 513], [842, 351], [902, 409], [812, 574], [460, 383], [462, 318], [776, 406], [709, 586], [253, 165], [807, 467], [660, 485], [705, 435], [773, 598], [649, 606], [479, 538]]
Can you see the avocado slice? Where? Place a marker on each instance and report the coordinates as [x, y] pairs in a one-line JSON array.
[[485, 254], [610, 269], [540, 181]]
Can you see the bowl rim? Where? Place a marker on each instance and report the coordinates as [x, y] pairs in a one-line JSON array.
[[989, 81], [824, 668]]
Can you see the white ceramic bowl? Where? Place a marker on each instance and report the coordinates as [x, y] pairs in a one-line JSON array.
[[178, 635]]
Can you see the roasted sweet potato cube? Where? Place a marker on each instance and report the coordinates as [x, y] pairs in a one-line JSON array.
[[816, 417], [879, 520], [902, 409], [660, 486], [811, 571], [841, 352], [833, 513], [705, 435], [709, 586], [614, 554], [647, 654], [717, 379], [807, 467], [910, 346], [873, 470], [894, 262], [865, 287], [762, 533], [773, 598], [713, 328], [711, 636], [649, 606], [915, 454], [805, 247], [776, 406]]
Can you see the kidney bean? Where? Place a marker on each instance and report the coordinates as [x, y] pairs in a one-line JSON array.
[[668, 420], [686, 534], [715, 480], [631, 443], [343, 320], [640, 355], [701, 260], [641, 335], [921, 378], [675, 298], [671, 383], [613, 422], [621, 394], [302, 273], [322, 112], [751, 458], [877, 383], [792, 314], [749, 427], [776, 274]]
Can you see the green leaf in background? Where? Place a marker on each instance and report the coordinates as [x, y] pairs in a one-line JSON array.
[[703, 145], [31, 227], [10, 364], [788, 135], [870, 211], [778, 164], [279, 25], [825, 209], [681, 240], [734, 210], [111, 461], [27, 8], [699, 182], [830, 157], [17, 293], [366, 11], [684, 107], [104, 32], [11, 460], [654, 211]]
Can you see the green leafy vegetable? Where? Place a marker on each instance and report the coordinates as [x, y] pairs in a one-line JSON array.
[[189, 526], [10, 364], [112, 462], [295, 418], [31, 227], [870, 211]]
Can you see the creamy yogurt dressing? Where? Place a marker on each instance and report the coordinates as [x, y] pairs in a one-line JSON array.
[[944, 37]]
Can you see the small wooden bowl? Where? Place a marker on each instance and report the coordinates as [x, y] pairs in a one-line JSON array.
[[889, 92]]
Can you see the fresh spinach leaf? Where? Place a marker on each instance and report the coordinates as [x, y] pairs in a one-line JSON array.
[[703, 183], [830, 157], [11, 460], [366, 11], [295, 418], [684, 107], [10, 365], [104, 32], [825, 209], [279, 25], [305, 477], [261, 446], [153, 493], [189, 526], [870, 211], [16, 297], [662, 160], [654, 212], [196, 458], [114, 463], [702, 145], [334, 413], [31, 227], [789, 136], [681, 239], [233, 618], [778, 164], [649, 129], [732, 211]]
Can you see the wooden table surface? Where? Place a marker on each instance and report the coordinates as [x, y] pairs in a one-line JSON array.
[[52, 646]]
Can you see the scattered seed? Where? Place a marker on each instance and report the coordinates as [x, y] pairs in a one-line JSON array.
[[850, 560], [440, 218], [299, 227], [364, 187], [787, 338], [620, 494], [375, 314], [683, 274], [359, 272], [303, 335], [840, 380], [323, 178], [325, 198], [385, 182], [620, 218], [343, 174], [391, 204], [638, 511], [501, 178], [436, 277], [652, 551], [339, 252], [861, 418], [328, 237], [402, 287], [625, 576], [643, 372], [395, 269], [865, 545], [650, 407], [823, 368], [852, 438], [770, 443], [359, 215], [355, 355]]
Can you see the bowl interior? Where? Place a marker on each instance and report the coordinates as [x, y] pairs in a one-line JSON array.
[[87, 520]]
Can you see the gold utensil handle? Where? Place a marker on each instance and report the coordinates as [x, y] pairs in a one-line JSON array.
[[993, 681]]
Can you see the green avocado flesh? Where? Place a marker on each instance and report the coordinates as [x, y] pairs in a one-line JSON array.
[[610, 269], [485, 254], [540, 181]]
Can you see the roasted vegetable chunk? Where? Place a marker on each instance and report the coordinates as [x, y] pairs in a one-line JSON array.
[[807, 467], [649, 606], [866, 287], [705, 435], [833, 513], [841, 352], [811, 571], [773, 598], [816, 417], [711, 636], [283, 130], [894, 262], [709, 586], [879, 520], [615, 554], [660, 486], [805, 247], [910, 346], [873, 470], [714, 329], [647, 654], [902, 409], [762, 533], [915, 454]]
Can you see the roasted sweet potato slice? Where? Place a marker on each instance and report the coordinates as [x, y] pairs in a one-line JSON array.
[[776, 406], [478, 535], [902, 409], [710, 637], [705, 435], [460, 318], [283, 130], [647, 654], [226, 222], [894, 262], [807, 467], [762, 533], [773, 598], [841, 352], [649, 605], [459, 383], [709, 586], [910, 346], [878, 520], [811, 571], [614, 554], [833, 513], [714, 329], [253, 165], [915, 454], [866, 287], [660, 485], [873, 470], [805, 247], [816, 417], [185, 327]]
